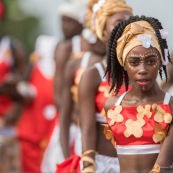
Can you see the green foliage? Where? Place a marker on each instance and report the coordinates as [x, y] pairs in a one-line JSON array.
[[19, 25]]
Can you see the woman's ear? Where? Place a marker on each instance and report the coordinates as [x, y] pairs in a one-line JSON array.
[[104, 36]]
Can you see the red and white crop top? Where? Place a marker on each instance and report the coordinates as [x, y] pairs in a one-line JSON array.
[[103, 94], [139, 129], [78, 74]]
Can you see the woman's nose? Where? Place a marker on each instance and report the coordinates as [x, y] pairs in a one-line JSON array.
[[142, 69]]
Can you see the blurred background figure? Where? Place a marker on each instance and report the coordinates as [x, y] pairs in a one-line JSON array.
[[72, 46], [69, 115], [94, 91], [12, 66], [72, 18], [39, 118], [72, 14]]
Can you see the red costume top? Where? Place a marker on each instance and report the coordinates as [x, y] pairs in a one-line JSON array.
[[73, 163], [78, 74], [139, 129], [37, 122], [40, 116], [103, 94]]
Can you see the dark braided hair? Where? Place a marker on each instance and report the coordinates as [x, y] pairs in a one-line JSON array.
[[116, 73]]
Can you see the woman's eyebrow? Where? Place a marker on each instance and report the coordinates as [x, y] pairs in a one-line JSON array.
[[147, 56], [134, 56]]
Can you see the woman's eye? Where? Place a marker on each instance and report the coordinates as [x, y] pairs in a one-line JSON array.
[[151, 62], [134, 63]]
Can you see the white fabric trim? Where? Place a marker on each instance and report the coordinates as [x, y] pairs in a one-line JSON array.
[[167, 98], [100, 118], [76, 44], [85, 59], [4, 49], [53, 153], [170, 90], [105, 164], [101, 71], [138, 149], [118, 102], [165, 101], [76, 136], [45, 46]]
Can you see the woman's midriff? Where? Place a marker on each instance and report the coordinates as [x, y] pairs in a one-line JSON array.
[[104, 146], [142, 163]]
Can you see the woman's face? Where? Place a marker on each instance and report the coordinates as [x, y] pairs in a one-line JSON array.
[[70, 27], [113, 21], [142, 66]]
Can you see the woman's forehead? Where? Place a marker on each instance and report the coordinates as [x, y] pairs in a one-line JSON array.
[[142, 50]]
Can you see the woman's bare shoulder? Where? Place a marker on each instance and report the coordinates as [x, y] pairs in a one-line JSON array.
[[110, 102]]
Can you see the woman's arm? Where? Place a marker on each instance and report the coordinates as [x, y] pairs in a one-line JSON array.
[[62, 55], [67, 105], [87, 91], [165, 157]]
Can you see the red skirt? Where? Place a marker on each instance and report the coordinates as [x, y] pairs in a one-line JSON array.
[[70, 165]]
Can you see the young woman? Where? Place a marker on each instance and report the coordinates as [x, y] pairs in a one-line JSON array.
[[73, 44], [39, 119], [93, 92], [140, 119], [69, 110], [69, 116]]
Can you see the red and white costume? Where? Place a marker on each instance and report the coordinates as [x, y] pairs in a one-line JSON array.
[[112, 163], [38, 128], [137, 129], [75, 130], [73, 163]]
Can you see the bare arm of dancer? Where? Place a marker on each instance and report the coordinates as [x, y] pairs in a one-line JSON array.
[[165, 157], [87, 91], [66, 107], [62, 55]]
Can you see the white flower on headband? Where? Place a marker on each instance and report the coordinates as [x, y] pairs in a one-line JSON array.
[[98, 5], [146, 40], [95, 9], [163, 33]]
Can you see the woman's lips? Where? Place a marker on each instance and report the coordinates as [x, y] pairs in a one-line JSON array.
[[143, 82]]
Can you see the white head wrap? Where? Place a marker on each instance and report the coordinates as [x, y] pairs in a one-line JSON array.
[[74, 9]]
